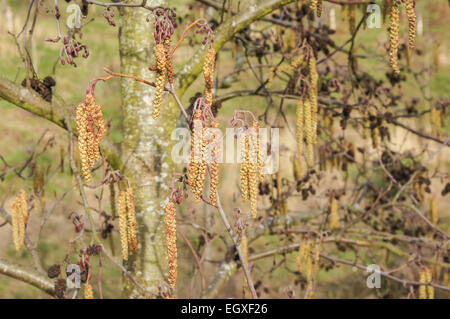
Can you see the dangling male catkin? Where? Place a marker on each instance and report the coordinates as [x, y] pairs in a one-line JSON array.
[[196, 147], [131, 222], [208, 73], [434, 215], [19, 218], [259, 155], [412, 22], [309, 133], [88, 291], [314, 90], [393, 36], [171, 239], [214, 166], [253, 176], [334, 220], [91, 130], [300, 126], [160, 82], [122, 210], [244, 168]]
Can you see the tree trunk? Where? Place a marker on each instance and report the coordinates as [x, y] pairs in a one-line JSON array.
[[146, 147]]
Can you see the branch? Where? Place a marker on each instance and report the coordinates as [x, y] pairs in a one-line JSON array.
[[27, 275], [32, 102], [224, 33]]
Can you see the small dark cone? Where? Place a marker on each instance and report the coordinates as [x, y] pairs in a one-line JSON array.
[[60, 288], [54, 271]]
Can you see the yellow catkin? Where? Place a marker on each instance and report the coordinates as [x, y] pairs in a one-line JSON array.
[[171, 240], [313, 5], [436, 129], [319, 8], [131, 222], [422, 288], [91, 129], [309, 133], [160, 82], [196, 137], [208, 73], [122, 210], [334, 220], [244, 168], [300, 127], [426, 291], [88, 291], [412, 22], [19, 218], [202, 167], [214, 167], [302, 257], [375, 133], [434, 216], [253, 175], [430, 289], [314, 90], [393, 36], [259, 155]]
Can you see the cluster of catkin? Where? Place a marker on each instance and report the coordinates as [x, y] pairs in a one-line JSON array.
[[127, 223], [19, 218], [307, 115], [208, 73], [333, 219], [394, 29], [251, 167], [426, 291], [91, 130], [308, 266], [171, 240]]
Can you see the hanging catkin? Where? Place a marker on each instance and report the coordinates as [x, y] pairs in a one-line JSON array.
[[131, 222], [253, 175], [91, 129], [393, 36], [314, 90], [334, 220], [434, 216], [426, 291], [196, 147], [160, 53], [319, 8], [436, 129], [208, 73], [122, 210], [259, 155], [313, 5], [214, 166], [19, 218], [309, 133], [300, 127], [88, 291], [171, 239], [244, 168], [202, 167], [412, 21]]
